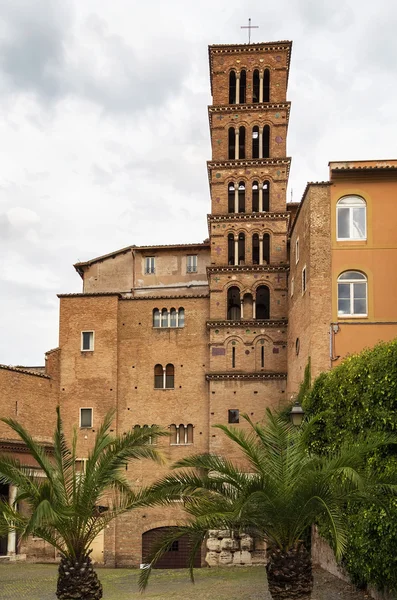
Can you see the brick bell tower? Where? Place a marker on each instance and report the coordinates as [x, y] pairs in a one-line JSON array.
[[248, 177]]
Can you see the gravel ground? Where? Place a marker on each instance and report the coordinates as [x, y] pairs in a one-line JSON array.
[[38, 582]]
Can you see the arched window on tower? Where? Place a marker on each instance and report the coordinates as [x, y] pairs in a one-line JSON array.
[[262, 303], [266, 249], [243, 86], [241, 248], [255, 249], [230, 197], [266, 86], [241, 197], [241, 142], [233, 303], [255, 196], [181, 317], [232, 143], [232, 87], [255, 142], [266, 196], [255, 87], [164, 318], [230, 249], [266, 142]]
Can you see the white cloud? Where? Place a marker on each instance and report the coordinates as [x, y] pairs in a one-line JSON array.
[[104, 127]]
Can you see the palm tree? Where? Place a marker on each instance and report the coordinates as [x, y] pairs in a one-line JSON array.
[[283, 491], [68, 508]]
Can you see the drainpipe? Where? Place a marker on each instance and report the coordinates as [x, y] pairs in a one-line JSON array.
[[333, 330]]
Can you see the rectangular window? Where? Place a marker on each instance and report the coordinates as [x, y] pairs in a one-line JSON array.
[[304, 282], [150, 267], [85, 418], [233, 415], [191, 263], [87, 341], [292, 287], [297, 251]]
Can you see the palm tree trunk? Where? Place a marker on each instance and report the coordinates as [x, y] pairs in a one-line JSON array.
[[77, 580], [289, 574]]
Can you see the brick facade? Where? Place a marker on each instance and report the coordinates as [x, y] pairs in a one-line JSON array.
[[229, 314]]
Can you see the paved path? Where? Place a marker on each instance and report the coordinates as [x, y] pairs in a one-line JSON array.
[[38, 582]]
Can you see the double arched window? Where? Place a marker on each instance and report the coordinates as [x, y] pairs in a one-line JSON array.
[[261, 86], [237, 87], [165, 318], [261, 142], [237, 251], [351, 218], [260, 196], [236, 143], [164, 377], [247, 306], [181, 434], [352, 294]]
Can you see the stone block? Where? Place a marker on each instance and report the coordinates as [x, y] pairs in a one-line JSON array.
[[225, 557], [211, 558], [242, 558]]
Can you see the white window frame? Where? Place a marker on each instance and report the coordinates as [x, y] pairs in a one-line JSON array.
[[292, 286], [296, 250], [150, 265], [92, 417], [360, 203], [351, 283], [191, 268], [304, 280], [92, 345], [185, 441]]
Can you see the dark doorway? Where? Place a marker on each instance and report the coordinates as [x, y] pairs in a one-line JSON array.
[[176, 557], [3, 539]]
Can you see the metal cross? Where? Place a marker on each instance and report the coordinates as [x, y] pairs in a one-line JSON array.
[[249, 27]]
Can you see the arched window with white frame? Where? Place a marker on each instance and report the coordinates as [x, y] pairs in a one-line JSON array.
[[352, 294], [351, 218]]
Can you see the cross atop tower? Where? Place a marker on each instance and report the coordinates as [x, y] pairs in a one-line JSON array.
[[249, 27]]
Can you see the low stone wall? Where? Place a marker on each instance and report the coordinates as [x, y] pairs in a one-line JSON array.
[[323, 556], [226, 548]]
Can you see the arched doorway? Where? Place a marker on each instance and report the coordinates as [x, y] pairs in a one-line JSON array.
[[177, 557]]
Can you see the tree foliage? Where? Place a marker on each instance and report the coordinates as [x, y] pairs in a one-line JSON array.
[[356, 397], [68, 508], [282, 490]]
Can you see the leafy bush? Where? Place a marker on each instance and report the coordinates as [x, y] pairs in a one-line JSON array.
[[358, 396]]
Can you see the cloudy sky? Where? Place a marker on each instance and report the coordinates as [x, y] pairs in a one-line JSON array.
[[104, 128]]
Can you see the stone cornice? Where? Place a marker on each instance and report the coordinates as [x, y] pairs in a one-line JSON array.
[[243, 108], [242, 268], [246, 376], [214, 324]]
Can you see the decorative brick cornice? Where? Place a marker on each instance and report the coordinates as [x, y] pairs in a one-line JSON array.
[[214, 324], [253, 268], [249, 376], [267, 216], [21, 448], [244, 108], [164, 297], [24, 371], [249, 163], [89, 295]]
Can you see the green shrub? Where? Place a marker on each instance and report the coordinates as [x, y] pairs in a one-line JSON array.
[[358, 396]]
